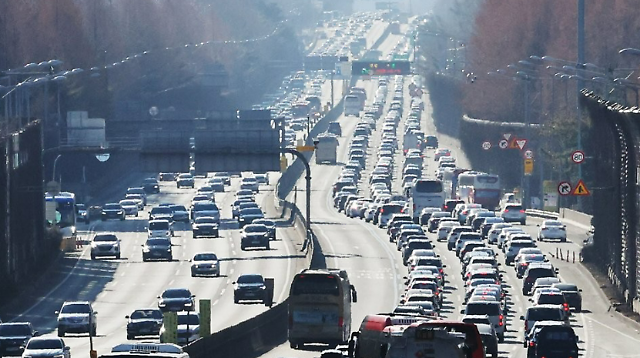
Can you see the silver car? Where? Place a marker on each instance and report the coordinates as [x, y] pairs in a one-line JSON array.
[[514, 213], [552, 230]]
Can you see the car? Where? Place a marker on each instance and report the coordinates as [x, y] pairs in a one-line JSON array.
[[552, 230], [514, 213], [161, 213], [552, 340], [254, 235], [572, 293], [188, 328], [185, 180], [246, 216], [138, 191], [441, 152], [250, 183], [167, 176], [205, 208], [160, 228], [489, 339], [130, 207], [225, 176], [543, 313], [217, 184], [249, 287], [493, 310], [151, 186], [82, 213], [335, 128], [105, 244], [139, 199], [77, 317], [144, 322], [208, 191], [205, 264], [13, 336], [270, 224], [179, 213], [262, 178], [176, 299], [523, 262], [157, 248], [112, 211], [535, 271], [514, 247], [205, 226], [46, 347]]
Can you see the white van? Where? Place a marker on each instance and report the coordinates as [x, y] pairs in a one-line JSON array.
[[160, 228], [352, 105]]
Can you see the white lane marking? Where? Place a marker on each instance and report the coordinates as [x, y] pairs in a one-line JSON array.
[[231, 271], [234, 253], [228, 281], [215, 302], [222, 292], [171, 282], [611, 328], [73, 270]]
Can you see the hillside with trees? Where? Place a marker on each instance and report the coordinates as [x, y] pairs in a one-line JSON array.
[[140, 49]]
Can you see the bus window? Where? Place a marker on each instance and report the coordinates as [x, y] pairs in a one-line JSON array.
[[428, 186], [316, 284]]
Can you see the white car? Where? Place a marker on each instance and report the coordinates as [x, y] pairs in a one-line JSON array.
[[251, 184], [137, 198], [552, 230], [130, 207], [205, 264], [76, 317], [46, 347], [160, 228], [105, 245], [188, 327], [445, 228]]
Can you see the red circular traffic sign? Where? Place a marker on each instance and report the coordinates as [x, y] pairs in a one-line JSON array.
[[486, 145], [564, 188], [577, 156]]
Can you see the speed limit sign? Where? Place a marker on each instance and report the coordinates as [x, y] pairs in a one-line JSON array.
[[577, 156], [486, 145]]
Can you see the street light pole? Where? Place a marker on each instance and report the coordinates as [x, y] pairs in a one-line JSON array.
[[580, 84], [55, 162], [308, 194]]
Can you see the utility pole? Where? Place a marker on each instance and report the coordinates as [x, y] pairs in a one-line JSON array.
[[580, 84]]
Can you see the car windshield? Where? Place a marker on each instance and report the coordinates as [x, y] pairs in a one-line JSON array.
[[45, 344], [128, 203], [205, 257], [158, 225], [221, 174], [185, 176], [175, 208], [205, 220], [250, 279], [104, 237], [146, 314], [158, 242], [177, 293], [265, 222], [480, 309], [14, 330], [207, 206], [161, 210], [150, 181], [76, 308], [112, 207], [544, 314], [551, 299], [255, 228], [191, 319], [251, 211]]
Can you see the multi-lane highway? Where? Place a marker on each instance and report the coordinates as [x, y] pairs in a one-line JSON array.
[[376, 269]]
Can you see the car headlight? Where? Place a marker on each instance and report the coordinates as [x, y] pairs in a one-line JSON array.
[[145, 249], [58, 356], [27, 356], [188, 304], [115, 246], [168, 249], [161, 304]]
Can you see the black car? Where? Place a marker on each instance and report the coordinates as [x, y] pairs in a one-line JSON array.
[[246, 216], [157, 248], [144, 322], [176, 299], [553, 341], [249, 287], [14, 336], [571, 293], [205, 226], [254, 235], [536, 271], [449, 205], [112, 211], [335, 128], [489, 339], [83, 213], [270, 224], [151, 186]]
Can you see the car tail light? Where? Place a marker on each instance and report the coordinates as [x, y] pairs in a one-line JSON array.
[[522, 211], [526, 326], [531, 344], [340, 321], [381, 211], [441, 271], [566, 306], [506, 210], [543, 229]]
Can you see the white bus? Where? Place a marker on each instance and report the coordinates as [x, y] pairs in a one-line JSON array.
[[352, 105], [480, 188], [425, 193], [320, 307]]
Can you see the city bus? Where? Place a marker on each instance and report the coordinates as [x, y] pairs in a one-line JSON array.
[[480, 188], [320, 307], [65, 216], [352, 105], [427, 338], [425, 193]]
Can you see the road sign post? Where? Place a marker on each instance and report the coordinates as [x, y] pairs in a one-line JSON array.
[[170, 322], [205, 317]]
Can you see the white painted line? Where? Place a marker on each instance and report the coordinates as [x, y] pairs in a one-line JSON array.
[[228, 281], [215, 302], [171, 282], [613, 329], [222, 292], [231, 271], [234, 253]]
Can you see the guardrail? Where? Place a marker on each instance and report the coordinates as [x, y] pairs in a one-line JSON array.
[[543, 214], [575, 217]]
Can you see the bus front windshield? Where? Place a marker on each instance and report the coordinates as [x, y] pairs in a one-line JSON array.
[[67, 212], [316, 284]]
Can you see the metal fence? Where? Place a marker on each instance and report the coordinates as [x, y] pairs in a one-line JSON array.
[[615, 142]]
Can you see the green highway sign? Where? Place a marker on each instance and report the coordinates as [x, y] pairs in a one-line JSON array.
[[380, 68]]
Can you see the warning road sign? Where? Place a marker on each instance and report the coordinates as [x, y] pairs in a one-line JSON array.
[[507, 136], [503, 144], [577, 157], [521, 143], [513, 144], [580, 189], [564, 188], [486, 145]]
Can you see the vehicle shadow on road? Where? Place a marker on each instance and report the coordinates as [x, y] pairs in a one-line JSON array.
[[286, 257]]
